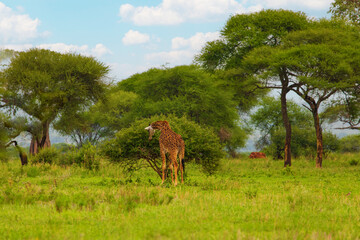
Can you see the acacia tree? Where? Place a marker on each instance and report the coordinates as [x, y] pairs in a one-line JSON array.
[[245, 32], [45, 84], [320, 62]]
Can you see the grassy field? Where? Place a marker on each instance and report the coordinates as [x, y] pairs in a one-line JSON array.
[[245, 199]]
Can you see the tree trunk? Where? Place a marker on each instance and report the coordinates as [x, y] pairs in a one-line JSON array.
[[34, 149], [319, 140], [36, 145], [287, 125], [45, 140]]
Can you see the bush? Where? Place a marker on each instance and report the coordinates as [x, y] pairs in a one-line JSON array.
[[303, 143], [131, 146], [86, 157], [46, 155], [350, 143]]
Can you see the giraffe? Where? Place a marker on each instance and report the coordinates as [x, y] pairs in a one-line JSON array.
[[172, 143]]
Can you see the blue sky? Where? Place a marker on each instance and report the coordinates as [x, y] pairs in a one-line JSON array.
[[130, 36]]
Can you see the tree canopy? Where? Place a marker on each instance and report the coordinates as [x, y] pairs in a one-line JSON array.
[[186, 91], [183, 90], [45, 84]]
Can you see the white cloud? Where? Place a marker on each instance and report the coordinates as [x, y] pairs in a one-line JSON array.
[[183, 49], [134, 37], [195, 42], [16, 28], [170, 12], [98, 51]]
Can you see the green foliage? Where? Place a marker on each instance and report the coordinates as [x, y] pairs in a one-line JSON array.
[[113, 113], [46, 84], [268, 120], [131, 147], [318, 62], [46, 155], [303, 143], [86, 157], [182, 90], [244, 32], [63, 147], [43, 83], [323, 56], [186, 90], [99, 121], [350, 143]]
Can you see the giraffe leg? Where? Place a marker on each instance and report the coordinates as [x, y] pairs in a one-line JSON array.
[[181, 159], [172, 172], [182, 170], [162, 152], [175, 165]]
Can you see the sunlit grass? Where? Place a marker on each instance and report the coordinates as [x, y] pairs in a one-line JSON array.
[[245, 199]]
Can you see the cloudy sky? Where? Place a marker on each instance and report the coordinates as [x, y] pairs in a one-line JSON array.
[[130, 36]]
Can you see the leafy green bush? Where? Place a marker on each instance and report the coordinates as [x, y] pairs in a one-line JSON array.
[[303, 143], [131, 147], [46, 155], [350, 143], [86, 157]]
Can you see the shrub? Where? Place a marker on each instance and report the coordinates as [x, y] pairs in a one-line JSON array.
[[46, 155], [303, 143], [350, 143], [86, 157], [131, 146]]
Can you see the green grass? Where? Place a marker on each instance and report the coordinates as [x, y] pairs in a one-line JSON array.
[[245, 199]]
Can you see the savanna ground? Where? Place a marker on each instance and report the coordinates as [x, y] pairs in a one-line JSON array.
[[245, 199]]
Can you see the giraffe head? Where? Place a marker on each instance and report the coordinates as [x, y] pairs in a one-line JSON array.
[[151, 131], [158, 125]]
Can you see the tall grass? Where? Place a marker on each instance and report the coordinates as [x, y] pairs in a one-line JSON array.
[[245, 199]]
